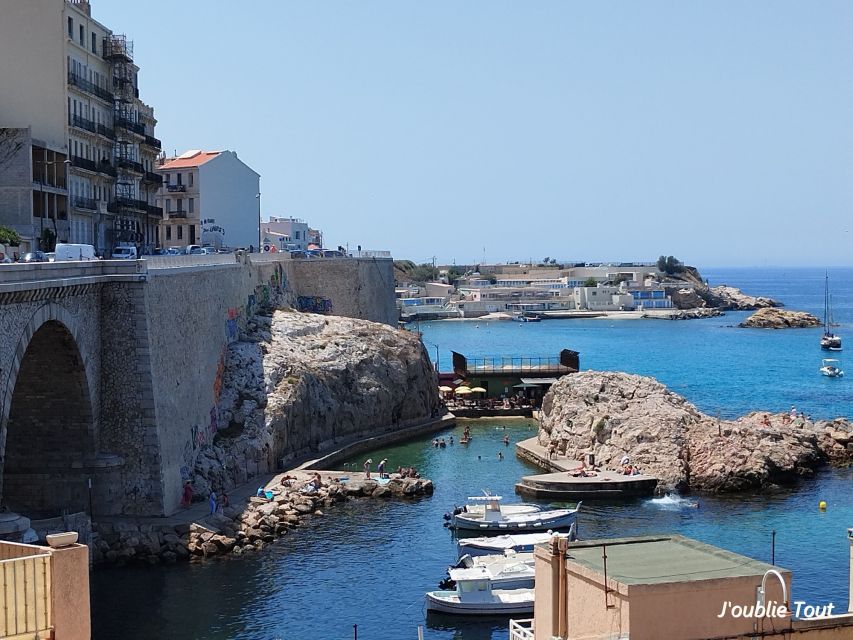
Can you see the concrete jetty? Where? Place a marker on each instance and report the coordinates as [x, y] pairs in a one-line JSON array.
[[564, 483]]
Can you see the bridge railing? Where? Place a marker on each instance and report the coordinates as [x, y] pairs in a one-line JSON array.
[[13, 274], [199, 260]]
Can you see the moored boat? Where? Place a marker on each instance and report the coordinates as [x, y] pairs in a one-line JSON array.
[[474, 595], [829, 340], [514, 571], [488, 545], [831, 368], [495, 517]]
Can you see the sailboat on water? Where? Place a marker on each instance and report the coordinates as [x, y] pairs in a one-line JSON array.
[[828, 340]]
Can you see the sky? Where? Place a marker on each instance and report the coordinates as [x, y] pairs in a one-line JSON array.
[[720, 132]]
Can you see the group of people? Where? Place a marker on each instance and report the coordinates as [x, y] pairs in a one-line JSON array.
[[628, 469], [441, 443], [216, 502], [380, 468]]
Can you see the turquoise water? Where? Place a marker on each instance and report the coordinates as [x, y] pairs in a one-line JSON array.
[[369, 563]]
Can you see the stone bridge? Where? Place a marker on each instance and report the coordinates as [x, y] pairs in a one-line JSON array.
[[110, 371]]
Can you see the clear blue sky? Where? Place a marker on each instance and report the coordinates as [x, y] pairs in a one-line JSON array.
[[721, 132]]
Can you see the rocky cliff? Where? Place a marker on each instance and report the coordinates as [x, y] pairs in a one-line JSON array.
[[296, 383], [616, 414], [779, 319]]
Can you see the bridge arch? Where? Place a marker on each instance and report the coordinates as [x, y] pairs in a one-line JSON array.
[[49, 418]]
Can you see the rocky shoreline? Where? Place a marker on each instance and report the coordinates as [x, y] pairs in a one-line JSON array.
[[235, 531], [612, 415]]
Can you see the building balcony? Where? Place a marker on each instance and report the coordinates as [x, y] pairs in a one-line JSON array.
[[106, 132], [82, 123], [172, 188], [155, 211], [152, 142], [107, 169], [84, 203], [152, 178], [130, 165], [116, 48], [128, 125], [180, 213], [122, 205], [83, 163], [88, 87]]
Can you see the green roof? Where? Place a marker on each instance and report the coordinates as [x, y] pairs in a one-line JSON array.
[[663, 559]]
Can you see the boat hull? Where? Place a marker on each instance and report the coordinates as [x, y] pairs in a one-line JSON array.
[[562, 521], [448, 602]]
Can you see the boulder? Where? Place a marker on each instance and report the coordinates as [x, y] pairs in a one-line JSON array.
[[780, 319]]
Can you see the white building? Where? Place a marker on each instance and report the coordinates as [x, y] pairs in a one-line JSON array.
[[71, 84], [287, 234], [209, 198]]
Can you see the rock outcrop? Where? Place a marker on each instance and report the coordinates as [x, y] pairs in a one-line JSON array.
[[733, 299], [616, 414], [780, 319], [298, 383], [688, 314]]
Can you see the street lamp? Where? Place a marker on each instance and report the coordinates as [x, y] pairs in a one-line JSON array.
[[432, 344], [258, 196]]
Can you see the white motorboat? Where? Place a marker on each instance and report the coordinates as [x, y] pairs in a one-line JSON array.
[[495, 517], [489, 545], [829, 340], [831, 367], [513, 571], [474, 595]]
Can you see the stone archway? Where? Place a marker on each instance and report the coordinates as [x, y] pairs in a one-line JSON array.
[[50, 425]]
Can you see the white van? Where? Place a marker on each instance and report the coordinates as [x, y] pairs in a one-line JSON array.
[[66, 252], [124, 253]]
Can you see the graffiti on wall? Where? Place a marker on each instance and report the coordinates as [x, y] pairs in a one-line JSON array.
[[267, 295], [232, 325], [314, 304], [202, 435]]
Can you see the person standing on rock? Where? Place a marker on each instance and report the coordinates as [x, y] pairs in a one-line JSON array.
[[367, 464], [212, 502], [381, 467], [187, 496]]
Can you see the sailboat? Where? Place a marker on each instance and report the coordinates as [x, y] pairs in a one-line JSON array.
[[828, 340]]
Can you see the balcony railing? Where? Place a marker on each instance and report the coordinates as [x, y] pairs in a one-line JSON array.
[[25, 587], [130, 165], [153, 142], [176, 187], [121, 204], [180, 213], [131, 126], [83, 123], [155, 211], [83, 163], [106, 132], [521, 629], [107, 169], [152, 178], [89, 87], [84, 203]]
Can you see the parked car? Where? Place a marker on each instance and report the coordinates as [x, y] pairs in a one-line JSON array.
[[33, 256], [331, 253], [191, 248], [175, 251], [51, 256], [65, 252], [298, 255]]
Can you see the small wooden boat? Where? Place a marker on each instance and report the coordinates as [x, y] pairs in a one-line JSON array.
[[474, 595], [514, 571], [494, 517]]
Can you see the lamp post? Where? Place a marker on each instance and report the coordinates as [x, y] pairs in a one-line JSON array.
[[258, 196]]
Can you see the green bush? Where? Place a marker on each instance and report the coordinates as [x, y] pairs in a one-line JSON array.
[[9, 237]]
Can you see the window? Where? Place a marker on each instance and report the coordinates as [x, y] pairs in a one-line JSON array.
[[180, 203], [167, 178], [180, 232], [169, 232], [180, 178], [94, 43], [82, 36], [191, 181], [191, 205], [70, 27], [192, 234]]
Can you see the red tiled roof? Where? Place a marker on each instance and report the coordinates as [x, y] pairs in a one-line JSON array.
[[193, 161]]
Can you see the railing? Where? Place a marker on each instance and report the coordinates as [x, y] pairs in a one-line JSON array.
[[130, 165], [370, 254], [154, 211], [176, 187], [83, 163], [107, 169], [153, 142], [521, 629], [178, 214], [106, 132], [25, 588], [117, 46], [153, 178], [131, 126], [171, 262], [568, 361], [121, 204], [41, 184], [84, 203], [89, 87], [83, 123]]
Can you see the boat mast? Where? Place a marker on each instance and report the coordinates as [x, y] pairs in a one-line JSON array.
[[826, 305]]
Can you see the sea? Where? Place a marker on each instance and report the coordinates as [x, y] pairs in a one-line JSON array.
[[361, 570]]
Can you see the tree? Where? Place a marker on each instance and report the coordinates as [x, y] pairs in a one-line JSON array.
[[9, 236], [423, 273], [590, 282], [547, 260], [669, 265], [661, 263], [48, 240]]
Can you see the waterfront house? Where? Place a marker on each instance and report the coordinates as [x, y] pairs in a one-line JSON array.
[[507, 376], [649, 588]]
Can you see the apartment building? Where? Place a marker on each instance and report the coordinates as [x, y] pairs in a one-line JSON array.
[[209, 198], [287, 234], [71, 96]]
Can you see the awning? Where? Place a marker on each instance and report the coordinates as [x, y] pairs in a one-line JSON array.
[[538, 380]]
